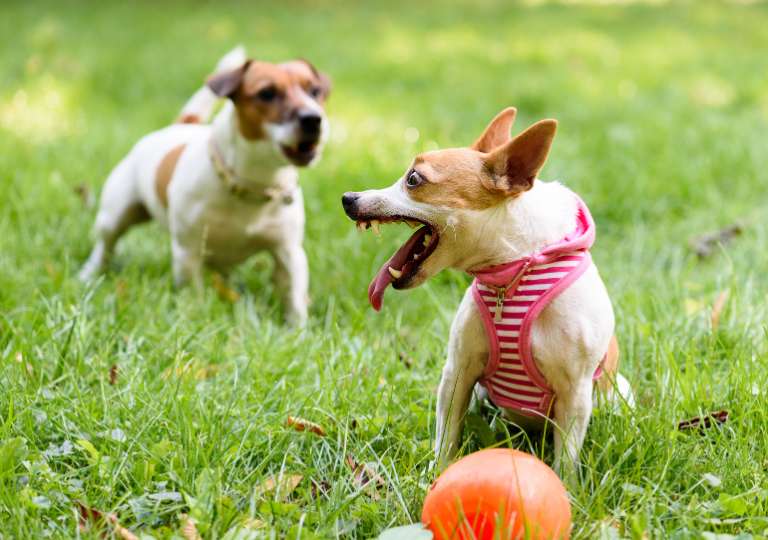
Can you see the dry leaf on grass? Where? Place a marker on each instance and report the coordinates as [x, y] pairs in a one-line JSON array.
[[302, 424], [406, 360], [86, 195], [113, 374], [704, 422], [189, 528], [365, 475], [717, 309], [318, 488], [194, 369], [91, 515], [282, 485], [225, 292], [705, 245]]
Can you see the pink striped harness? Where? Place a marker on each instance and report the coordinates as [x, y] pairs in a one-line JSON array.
[[509, 297]]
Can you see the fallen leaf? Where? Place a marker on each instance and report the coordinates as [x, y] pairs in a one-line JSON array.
[[717, 309], [321, 488], [194, 369], [113, 374], [365, 475], [705, 245], [301, 424], [225, 292], [189, 528], [703, 422], [253, 523], [91, 515], [282, 485], [86, 195], [406, 360]]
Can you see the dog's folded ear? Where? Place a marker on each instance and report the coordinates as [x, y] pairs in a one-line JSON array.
[[513, 167], [323, 80], [497, 132], [226, 83]]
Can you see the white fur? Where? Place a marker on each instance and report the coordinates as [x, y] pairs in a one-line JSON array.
[[568, 339], [207, 222]]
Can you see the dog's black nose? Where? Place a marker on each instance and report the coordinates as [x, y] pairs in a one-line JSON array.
[[348, 200], [310, 122]]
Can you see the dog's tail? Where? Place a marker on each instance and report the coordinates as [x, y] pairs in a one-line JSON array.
[[200, 106]]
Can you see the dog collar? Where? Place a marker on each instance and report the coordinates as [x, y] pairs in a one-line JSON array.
[[235, 185]]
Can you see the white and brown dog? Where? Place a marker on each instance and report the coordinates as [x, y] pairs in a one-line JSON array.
[[536, 325], [229, 188]]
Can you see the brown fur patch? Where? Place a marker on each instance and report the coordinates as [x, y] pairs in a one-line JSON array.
[[164, 173], [453, 178], [610, 366], [189, 118]]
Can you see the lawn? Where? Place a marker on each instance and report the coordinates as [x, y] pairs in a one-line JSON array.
[[130, 398]]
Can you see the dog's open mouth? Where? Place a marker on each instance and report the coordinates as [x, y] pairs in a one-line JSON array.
[[302, 153], [403, 265]]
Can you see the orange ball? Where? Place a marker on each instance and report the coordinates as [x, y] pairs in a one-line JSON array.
[[498, 494]]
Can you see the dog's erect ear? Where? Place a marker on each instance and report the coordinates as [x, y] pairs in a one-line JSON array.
[[497, 132], [513, 167], [226, 83]]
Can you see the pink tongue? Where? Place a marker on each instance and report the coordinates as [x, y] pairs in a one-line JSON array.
[[383, 277]]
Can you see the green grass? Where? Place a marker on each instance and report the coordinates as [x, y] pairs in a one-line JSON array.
[[663, 119]]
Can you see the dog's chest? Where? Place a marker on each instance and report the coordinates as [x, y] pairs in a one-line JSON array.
[[233, 230]]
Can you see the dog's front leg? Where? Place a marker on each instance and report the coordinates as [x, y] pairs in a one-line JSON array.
[[453, 397], [573, 409], [467, 354], [187, 266], [292, 281]]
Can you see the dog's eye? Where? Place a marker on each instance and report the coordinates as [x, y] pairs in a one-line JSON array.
[[413, 179], [267, 94], [315, 92]]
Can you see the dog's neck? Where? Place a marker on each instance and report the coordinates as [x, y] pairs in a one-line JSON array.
[[256, 163], [524, 225]]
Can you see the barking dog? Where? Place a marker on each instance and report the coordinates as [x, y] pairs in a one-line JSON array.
[[227, 189], [535, 329]]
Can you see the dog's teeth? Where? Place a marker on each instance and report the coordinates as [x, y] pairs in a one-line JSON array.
[[375, 227], [427, 239], [416, 256], [397, 274], [412, 224], [360, 226]]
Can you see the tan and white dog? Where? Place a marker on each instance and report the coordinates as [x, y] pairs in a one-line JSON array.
[[483, 206], [229, 188]]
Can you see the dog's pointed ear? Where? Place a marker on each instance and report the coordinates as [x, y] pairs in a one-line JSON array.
[[513, 167], [497, 132], [226, 83]]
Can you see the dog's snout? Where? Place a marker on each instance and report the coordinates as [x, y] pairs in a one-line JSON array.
[[310, 122], [348, 201]]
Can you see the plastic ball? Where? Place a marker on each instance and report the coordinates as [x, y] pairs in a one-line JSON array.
[[498, 494]]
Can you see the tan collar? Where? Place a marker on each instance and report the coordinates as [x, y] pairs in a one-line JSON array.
[[239, 186]]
